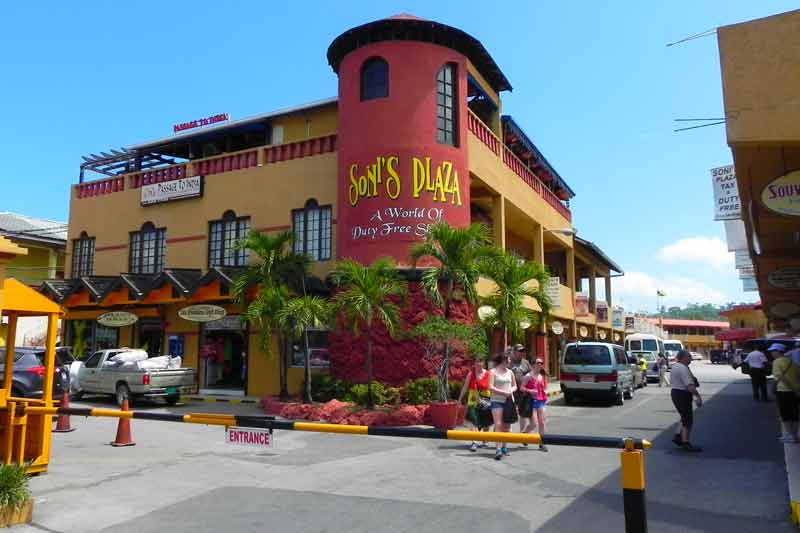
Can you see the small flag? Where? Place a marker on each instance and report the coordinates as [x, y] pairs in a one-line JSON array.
[[660, 293]]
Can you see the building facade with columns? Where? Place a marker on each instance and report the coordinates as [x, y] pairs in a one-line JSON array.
[[417, 134]]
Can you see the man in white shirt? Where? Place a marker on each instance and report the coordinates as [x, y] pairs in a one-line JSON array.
[[758, 374], [794, 354], [684, 387]]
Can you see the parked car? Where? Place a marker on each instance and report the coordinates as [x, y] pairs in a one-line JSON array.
[[596, 369], [762, 345], [696, 356], [639, 377], [131, 382], [28, 377], [652, 359]]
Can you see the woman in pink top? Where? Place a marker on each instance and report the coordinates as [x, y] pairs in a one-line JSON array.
[[535, 384]]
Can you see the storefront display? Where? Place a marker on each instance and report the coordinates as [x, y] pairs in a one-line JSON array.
[[150, 335], [223, 353]]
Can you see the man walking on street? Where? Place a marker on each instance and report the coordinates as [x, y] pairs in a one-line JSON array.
[[520, 366], [684, 387], [758, 374], [661, 361]]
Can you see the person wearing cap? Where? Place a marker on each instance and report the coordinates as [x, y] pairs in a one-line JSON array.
[[787, 384], [534, 386], [758, 374], [520, 366], [684, 387]]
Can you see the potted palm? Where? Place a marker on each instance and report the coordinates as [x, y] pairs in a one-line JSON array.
[[458, 255], [16, 503], [366, 299]]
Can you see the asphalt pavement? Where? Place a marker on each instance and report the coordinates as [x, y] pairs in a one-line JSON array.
[[183, 477]]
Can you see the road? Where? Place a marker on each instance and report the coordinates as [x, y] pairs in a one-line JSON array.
[[182, 477]]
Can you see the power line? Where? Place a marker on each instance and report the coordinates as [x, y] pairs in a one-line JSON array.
[[695, 36], [700, 126]]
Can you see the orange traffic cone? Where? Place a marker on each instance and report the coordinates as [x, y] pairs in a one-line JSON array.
[[124, 430], [62, 421]]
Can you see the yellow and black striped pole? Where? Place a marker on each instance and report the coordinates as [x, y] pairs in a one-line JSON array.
[[633, 488]]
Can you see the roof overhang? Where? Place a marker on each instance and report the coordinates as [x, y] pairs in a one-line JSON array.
[[599, 254]]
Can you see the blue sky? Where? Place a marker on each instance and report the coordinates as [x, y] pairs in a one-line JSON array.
[[595, 87]]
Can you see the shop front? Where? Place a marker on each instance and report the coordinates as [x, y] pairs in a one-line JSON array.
[[223, 354]]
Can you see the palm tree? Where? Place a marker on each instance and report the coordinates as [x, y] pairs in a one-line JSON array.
[[299, 314], [514, 291], [275, 273], [366, 298], [459, 254]]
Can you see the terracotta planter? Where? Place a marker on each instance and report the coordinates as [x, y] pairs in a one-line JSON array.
[[10, 516], [462, 415], [444, 415]]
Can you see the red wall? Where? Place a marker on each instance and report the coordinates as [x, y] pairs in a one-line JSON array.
[[401, 126]]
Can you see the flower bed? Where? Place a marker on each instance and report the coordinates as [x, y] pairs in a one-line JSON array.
[[336, 412]]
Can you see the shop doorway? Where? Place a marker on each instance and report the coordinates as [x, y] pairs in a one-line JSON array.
[[223, 356], [150, 336]]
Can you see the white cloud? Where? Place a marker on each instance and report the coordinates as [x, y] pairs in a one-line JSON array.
[[637, 291], [711, 251]]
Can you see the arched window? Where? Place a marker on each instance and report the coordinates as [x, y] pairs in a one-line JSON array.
[[223, 235], [82, 256], [374, 79], [311, 227], [446, 119], [147, 249]]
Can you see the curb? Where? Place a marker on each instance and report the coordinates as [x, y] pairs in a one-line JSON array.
[[791, 453]]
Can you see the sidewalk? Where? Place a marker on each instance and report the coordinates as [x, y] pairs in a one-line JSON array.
[[792, 456]]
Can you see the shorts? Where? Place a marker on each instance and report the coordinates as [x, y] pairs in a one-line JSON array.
[[539, 404], [682, 400], [787, 406], [497, 405]]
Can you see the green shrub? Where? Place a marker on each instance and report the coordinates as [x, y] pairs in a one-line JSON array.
[[422, 390], [14, 490], [325, 388], [358, 393], [391, 396], [455, 389]]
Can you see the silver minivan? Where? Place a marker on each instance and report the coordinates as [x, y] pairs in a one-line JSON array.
[[596, 369]]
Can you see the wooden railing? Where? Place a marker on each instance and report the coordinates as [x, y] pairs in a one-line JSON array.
[[483, 133], [146, 177], [304, 148], [527, 175], [487, 137], [100, 187]]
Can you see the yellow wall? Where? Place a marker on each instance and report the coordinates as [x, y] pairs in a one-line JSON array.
[[307, 124], [38, 265], [748, 318], [760, 60]]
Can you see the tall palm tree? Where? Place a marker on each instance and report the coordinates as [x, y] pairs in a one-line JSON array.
[[277, 270], [513, 291], [366, 298], [459, 254], [299, 314]]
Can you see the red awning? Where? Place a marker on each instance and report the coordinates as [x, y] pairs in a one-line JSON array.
[[736, 334]]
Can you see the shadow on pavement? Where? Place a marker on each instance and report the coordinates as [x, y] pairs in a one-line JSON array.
[[693, 492]]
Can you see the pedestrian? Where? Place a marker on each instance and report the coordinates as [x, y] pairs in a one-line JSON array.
[[794, 354], [520, 366], [502, 386], [661, 364], [684, 386], [787, 384], [757, 362], [535, 388], [476, 390], [643, 370]]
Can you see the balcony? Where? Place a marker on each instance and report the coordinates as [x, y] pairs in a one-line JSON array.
[[488, 138], [219, 164]]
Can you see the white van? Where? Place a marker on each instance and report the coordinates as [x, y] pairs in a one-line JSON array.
[[645, 342], [596, 369], [671, 349]]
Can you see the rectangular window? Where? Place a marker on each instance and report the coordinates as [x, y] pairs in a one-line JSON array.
[[223, 236], [445, 106], [147, 251], [311, 228], [82, 256]]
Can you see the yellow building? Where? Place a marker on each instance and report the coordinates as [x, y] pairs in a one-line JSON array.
[[696, 335], [154, 236], [746, 322], [759, 59]]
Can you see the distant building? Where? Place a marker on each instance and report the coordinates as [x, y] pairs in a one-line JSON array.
[[696, 335], [746, 322]]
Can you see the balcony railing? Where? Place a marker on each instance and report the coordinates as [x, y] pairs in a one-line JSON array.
[[487, 137], [209, 166]]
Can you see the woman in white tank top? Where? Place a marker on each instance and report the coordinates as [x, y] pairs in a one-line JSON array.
[[502, 385]]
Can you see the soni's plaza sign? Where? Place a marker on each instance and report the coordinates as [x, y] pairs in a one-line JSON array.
[[394, 199]]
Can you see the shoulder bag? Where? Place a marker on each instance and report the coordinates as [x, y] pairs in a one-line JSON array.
[[510, 411]]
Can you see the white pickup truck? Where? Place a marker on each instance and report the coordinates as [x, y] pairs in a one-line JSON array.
[[101, 373]]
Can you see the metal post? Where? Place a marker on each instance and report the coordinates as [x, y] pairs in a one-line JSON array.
[[633, 488]]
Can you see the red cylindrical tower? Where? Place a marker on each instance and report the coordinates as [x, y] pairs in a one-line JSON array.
[[401, 136]]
